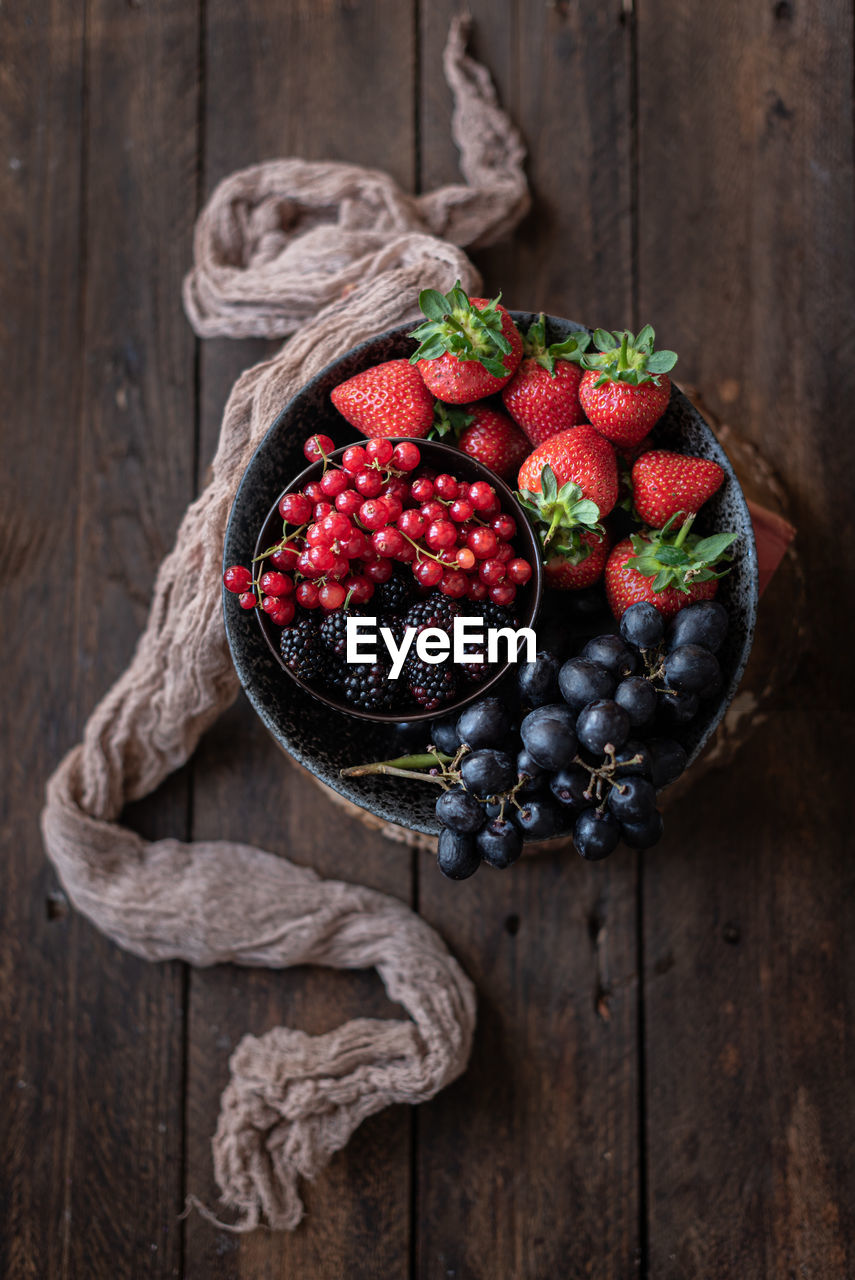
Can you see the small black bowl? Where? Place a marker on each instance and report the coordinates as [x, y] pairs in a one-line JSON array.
[[322, 739], [441, 457]]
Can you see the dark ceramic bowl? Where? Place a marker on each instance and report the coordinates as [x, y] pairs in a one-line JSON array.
[[320, 737], [441, 457]]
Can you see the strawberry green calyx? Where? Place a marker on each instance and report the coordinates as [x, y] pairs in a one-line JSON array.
[[536, 347], [623, 357], [455, 326], [675, 558], [448, 419], [562, 515]]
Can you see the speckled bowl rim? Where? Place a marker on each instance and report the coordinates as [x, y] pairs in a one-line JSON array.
[[386, 809]]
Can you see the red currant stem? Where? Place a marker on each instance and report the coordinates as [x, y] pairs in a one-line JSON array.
[[286, 537], [421, 551]]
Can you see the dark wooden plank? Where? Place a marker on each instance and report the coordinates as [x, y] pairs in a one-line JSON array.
[[294, 80], [528, 1166], [40, 354], [136, 477], [746, 267]]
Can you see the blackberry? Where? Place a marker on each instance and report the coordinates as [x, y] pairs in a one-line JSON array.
[[434, 611], [366, 685], [393, 596], [333, 629], [432, 684], [302, 650], [494, 615]]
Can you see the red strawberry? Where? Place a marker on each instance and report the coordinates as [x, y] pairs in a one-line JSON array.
[[468, 347], [543, 395], [672, 484], [388, 399], [625, 391], [580, 568], [492, 439], [580, 456], [637, 571]]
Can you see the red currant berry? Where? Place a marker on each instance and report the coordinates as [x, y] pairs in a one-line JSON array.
[[332, 595], [433, 511], [237, 579], [372, 513], [453, 584], [441, 533], [379, 571], [337, 527], [353, 459], [447, 487], [396, 487], [269, 604], [481, 495], [422, 489], [494, 506], [321, 558], [321, 509], [388, 541], [379, 449], [518, 571], [359, 588], [307, 595], [247, 600], [429, 573], [503, 593], [412, 523], [285, 557], [314, 492], [316, 446], [476, 590], [491, 572], [315, 536], [348, 502], [340, 568], [504, 526], [333, 483], [505, 552], [461, 510], [305, 566], [394, 506], [369, 482], [276, 584], [483, 542], [356, 545], [407, 552], [465, 559], [406, 456], [284, 614], [295, 508]]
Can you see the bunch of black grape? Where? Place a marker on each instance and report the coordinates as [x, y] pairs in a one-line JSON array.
[[595, 746]]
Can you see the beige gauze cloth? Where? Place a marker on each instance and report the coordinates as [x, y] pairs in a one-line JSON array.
[[333, 254]]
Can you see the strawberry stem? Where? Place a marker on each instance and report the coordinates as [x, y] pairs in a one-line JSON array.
[[623, 362]]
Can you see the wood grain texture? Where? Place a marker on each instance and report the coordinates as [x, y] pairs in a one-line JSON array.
[[745, 209], [136, 477], [299, 79], [527, 1167], [40, 390]]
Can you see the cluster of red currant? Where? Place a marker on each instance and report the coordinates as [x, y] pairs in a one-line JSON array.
[[351, 525]]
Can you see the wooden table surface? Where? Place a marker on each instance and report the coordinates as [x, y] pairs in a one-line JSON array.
[[659, 1082]]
